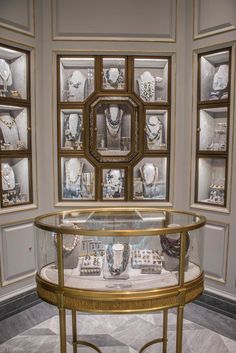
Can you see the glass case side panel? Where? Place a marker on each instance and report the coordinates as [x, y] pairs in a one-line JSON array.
[[156, 130], [114, 123], [14, 128], [151, 79], [113, 184], [150, 179], [72, 135], [113, 73], [13, 73], [214, 76], [15, 181], [195, 253], [211, 181], [47, 255], [77, 179], [76, 78], [213, 129]]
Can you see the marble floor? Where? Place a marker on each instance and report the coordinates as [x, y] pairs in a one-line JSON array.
[[37, 330]]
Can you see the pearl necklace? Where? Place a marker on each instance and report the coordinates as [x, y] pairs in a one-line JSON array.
[[67, 249], [73, 172], [113, 126]]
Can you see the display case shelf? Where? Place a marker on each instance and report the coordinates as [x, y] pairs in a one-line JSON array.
[[15, 128], [112, 128]]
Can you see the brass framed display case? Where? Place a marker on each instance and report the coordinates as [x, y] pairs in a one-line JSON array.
[[15, 127], [213, 127], [120, 260], [114, 113]]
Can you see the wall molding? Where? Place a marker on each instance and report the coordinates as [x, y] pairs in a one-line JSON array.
[[27, 29], [74, 34], [199, 33]]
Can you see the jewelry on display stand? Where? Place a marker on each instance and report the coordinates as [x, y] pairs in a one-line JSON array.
[[76, 86], [114, 184], [70, 252], [220, 83], [73, 171], [217, 193], [149, 174], [10, 133], [116, 261], [114, 78], [73, 129], [8, 177], [153, 131], [5, 77], [147, 85], [113, 118]]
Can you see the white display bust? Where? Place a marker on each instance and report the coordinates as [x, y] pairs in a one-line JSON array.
[[77, 82], [8, 177]]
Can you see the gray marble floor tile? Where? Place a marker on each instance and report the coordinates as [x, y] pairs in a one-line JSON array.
[[101, 340]]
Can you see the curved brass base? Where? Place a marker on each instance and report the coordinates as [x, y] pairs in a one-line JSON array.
[[148, 344], [88, 344]]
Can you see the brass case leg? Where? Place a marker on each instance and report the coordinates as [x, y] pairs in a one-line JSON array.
[[74, 331], [179, 333], [62, 318], [165, 330]]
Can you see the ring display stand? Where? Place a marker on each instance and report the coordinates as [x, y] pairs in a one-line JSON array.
[[109, 243]]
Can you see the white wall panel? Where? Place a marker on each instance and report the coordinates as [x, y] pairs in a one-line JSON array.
[[213, 16], [18, 15], [18, 252], [215, 251], [153, 20]]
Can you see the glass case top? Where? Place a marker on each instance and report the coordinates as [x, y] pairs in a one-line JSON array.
[[119, 221]]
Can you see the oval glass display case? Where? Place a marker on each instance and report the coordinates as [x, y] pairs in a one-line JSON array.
[[119, 260]]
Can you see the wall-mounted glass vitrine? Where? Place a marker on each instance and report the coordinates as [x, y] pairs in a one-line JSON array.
[[15, 127], [213, 127], [112, 130]]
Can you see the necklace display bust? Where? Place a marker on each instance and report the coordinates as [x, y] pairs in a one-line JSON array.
[[114, 78], [9, 131], [76, 86], [8, 177], [5, 74], [73, 171], [114, 182], [153, 132], [73, 125], [149, 174], [220, 83], [113, 118]]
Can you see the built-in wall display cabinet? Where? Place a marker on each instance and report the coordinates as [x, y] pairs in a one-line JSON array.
[[114, 121], [213, 126], [15, 127]]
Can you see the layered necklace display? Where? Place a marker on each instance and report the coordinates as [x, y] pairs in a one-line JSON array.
[[8, 177], [5, 75], [73, 127], [149, 175], [153, 129], [9, 131], [76, 86], [114, 78], [114, 182], [117, 257], [147, 87], [113, 116], [74, 169], [171, 246]]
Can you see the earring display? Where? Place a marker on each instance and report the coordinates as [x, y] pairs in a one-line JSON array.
[[15, 182], [113, 73], [150, 179], [213, 129], [211, 180], [113, 129], [13, 128], [77, 179], [13, 73], [72, 129], [151, 79], [113, 184], [215, 76], [156, 129], [76, 79]]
